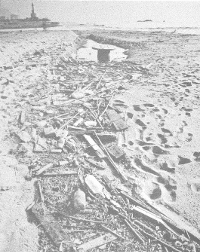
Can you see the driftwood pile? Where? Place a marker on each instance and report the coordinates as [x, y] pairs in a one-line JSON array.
[[73, 125]]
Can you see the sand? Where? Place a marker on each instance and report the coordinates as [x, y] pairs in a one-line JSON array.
[[162, 102]]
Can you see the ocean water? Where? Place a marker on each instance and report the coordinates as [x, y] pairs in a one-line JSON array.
[[192, 28]]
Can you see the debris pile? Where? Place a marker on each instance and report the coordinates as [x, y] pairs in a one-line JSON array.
[[72, 135]]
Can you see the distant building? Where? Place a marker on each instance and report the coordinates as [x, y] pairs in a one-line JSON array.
[[33, 15], [13, 16]]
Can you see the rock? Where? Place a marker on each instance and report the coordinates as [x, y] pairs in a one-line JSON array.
[[79, 200], [90, 124], [94, 185], [41, 123], [49, 132], [38, 149], [55, 150], [22, 117], [61, 143], [42, 142], [24, 136], [78, 95]]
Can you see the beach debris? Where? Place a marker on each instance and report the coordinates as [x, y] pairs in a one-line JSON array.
[[24, 136], [100, 165], [22, 117], [78, 94], [49, 223], [79, 200], [116, 120], [97, 242], [94, 185], [44, 168], [111, 161], [53, 174], [90, 124], [96, 148], [80, 132], [49, 132], [39, 186], [115, 151]]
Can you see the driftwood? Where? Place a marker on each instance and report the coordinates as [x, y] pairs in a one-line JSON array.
[[136, 233], [112, 232], [50, 225], [97, 149], [67, 173], [79, 219], [111, 160], [46, 167], [40, 191], [97, 164], [97, 242]]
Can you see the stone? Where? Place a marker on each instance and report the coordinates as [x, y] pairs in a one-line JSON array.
[[91, 124], [79, 200], [94, 185], [78, 95], [49, 132], [24, 136]]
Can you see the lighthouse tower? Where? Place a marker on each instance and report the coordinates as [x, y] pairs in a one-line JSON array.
[[33, 15]]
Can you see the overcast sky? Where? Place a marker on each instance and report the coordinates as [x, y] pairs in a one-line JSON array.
[[109, 12]]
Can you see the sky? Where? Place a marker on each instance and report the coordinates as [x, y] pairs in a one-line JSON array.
[[109, 12]]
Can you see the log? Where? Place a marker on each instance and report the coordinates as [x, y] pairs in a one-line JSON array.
[[97, 242], [50, 225]]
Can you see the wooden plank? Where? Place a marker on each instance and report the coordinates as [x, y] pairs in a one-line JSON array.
[[115, 151], [97, 149], [116, 119], [97, 242], [49, 223]]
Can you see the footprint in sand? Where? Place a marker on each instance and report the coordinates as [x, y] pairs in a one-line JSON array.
[[183, 160], [196, 156], [168, 197], [163, 138], [159, 151], [138, 108], [142, 167], [164, 166], [169, 183], [195, 187], [151, 190], [166, 132], [141, 124], [148, 105]]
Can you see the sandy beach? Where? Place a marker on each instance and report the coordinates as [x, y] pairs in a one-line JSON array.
[[155, 91]]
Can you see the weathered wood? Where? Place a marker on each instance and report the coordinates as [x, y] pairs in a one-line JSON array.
[[136, 233], [66, 173], [99, 165], [115, 150], [46, 167], [116, 120], [49, 223], [111, 160], [112, 232], [92, 143], [97, 242]]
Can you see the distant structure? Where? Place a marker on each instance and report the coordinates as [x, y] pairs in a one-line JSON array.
[[33, 15], [12, 21]]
